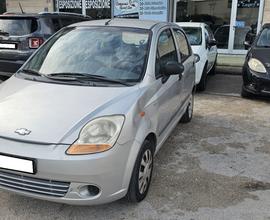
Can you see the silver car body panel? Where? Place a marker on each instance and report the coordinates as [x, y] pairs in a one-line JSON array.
[[55, 114]]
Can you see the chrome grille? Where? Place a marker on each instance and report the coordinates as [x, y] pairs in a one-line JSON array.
[[33, 185]]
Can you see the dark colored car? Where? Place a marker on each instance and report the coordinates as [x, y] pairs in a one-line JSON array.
[[22, 34], [256, 70]]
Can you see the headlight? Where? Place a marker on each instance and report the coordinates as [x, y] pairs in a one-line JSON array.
[[256, 65], [98, 135]]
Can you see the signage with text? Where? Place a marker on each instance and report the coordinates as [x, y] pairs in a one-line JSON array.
[[142, 9]]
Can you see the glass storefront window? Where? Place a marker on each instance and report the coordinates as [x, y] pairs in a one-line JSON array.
[[72, 6], [246, 22], [232, 21], [216, 14], [100, 9]]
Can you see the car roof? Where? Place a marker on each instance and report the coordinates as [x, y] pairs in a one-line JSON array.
[[41, 14], [190, 24], [118, 22]]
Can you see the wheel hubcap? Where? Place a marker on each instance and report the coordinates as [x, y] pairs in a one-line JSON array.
[[145, 171]]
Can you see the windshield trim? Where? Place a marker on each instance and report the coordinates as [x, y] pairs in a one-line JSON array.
[[146, 59]]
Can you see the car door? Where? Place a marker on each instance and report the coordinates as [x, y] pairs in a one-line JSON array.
[[169, 89], [211, 50], [187, 60]]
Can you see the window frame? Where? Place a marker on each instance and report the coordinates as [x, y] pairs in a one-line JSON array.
[[157, 55], [182, 60]]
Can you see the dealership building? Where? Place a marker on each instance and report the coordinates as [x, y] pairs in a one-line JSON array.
[[232, 20]]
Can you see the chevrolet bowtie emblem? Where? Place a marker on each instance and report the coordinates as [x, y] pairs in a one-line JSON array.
[[23, 131]]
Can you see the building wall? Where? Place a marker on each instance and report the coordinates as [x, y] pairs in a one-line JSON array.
[[266, 16], [30, 6]]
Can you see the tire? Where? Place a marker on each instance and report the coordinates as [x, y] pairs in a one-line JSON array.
[[137, 190], [246, 94], [213, 70], [187, 117], [202, 84]]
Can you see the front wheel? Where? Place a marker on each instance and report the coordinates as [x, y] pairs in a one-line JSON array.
[[142, 173], [187, 117]]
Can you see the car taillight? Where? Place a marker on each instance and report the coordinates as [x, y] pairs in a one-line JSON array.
[[35, 42]]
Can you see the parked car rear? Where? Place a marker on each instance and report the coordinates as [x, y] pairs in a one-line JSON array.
[[22, 34]]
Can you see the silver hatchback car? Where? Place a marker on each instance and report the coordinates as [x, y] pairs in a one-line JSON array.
[[81, 121]]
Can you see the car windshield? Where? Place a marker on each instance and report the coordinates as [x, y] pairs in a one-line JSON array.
[[17, 26], [105, 52], [264, 38], [194, 35]]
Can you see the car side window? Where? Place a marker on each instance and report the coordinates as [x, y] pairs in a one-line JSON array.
[[183, 45], [166, 51]]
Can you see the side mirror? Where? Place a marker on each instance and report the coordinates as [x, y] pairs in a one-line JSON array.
[[212, 43], [247, 45], [197, 58], [172, 68]]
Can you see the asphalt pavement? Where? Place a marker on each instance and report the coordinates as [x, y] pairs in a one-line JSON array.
[[215, 168]]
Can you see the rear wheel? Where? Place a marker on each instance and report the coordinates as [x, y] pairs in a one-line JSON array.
[[202, 84], [142, 173], [187, 117]]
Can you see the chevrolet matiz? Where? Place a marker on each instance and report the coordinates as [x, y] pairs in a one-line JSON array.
[[81, 121]]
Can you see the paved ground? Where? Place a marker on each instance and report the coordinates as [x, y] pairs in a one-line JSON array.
[[215, 168]]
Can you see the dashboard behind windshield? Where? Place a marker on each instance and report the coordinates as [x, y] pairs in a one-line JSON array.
[[111, 52]]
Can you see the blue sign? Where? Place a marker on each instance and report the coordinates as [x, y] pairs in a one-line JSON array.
[[240, 24]]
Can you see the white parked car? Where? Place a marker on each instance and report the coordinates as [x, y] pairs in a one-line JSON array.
[[203, 44]]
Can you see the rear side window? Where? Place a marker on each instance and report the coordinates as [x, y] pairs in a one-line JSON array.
[[182, 44], [18, 26]]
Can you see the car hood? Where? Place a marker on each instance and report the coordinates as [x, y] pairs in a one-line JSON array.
[[52, 111], [262, 54]]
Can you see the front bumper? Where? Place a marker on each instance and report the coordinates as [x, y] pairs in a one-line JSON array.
[[109, 171], [256, 83]]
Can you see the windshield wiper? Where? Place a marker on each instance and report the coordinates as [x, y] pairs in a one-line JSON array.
[[84, 76], [32, 72]]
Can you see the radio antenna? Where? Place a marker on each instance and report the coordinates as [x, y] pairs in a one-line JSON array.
[[21, 8]]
